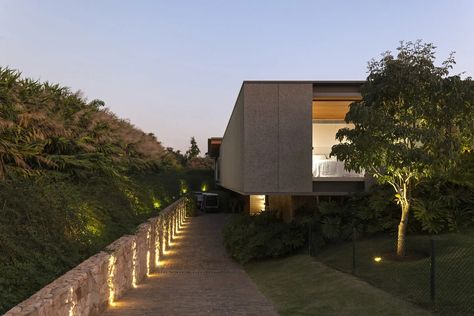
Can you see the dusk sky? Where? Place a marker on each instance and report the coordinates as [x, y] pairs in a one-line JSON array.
[[174, 68]]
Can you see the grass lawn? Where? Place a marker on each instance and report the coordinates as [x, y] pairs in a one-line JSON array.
[[411, 280], [300, 285]]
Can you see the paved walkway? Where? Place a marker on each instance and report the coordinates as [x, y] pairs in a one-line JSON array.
[[196, 278]]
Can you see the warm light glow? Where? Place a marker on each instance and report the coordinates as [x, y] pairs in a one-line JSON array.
[[174, 243], [157, 247], [170, 231], [110, 279], [204, 187], [175, 222], [377, 259], [156, 204], [163, 237], [148, 263], [334, 108], [165, 262], [169, 252], [72, 302], [148, 254], [257, 204], [183, 186], [134, 264]]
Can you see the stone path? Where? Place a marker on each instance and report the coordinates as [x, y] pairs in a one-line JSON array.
[[196, 278]]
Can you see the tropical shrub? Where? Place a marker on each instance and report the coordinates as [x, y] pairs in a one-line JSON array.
[[73, 178], [48, 127], [442, 206], [261, 236], [48, 224]]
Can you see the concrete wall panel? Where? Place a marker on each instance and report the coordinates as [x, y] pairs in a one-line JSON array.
[[295, 137], [261, 137], [231, 160]]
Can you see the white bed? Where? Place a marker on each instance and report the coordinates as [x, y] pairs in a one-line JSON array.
[[324, 167]]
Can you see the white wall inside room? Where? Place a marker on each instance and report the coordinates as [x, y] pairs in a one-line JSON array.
[[324, 136]]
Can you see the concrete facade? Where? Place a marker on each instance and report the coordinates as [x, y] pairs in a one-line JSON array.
[[231, 159], [260, 137], [267, 148], [267, 143], [294, 138]]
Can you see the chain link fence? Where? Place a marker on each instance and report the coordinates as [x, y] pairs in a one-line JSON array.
[[437, 274]]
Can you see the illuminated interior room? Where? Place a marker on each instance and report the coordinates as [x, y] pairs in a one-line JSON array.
[[328, 113]]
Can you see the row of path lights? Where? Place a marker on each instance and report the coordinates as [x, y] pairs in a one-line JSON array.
[[168, 226]]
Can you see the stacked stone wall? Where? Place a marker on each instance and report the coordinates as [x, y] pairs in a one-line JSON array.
[[99, 281]]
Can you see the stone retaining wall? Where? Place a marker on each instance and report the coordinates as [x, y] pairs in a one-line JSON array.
[[103, 278]]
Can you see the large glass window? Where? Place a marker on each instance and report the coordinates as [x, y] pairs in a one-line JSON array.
[[328, 118]]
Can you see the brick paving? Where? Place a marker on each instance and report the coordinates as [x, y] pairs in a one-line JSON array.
[[196, 278]]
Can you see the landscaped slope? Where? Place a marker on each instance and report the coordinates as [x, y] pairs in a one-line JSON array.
[[73, 177]]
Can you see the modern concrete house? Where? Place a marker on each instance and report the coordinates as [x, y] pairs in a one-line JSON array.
[[275, 149]]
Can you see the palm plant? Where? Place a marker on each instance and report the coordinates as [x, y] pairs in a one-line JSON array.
[[45, 126]]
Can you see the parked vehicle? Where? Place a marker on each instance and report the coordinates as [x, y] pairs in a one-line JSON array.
[[207, 202], [210, 202]]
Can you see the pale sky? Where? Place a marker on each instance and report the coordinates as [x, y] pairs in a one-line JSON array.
[[174, 68]]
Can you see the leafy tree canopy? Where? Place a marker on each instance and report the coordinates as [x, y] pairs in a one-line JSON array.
[[414, 121], [193, 150]]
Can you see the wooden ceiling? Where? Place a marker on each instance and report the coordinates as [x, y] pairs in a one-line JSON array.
[[331, 108]]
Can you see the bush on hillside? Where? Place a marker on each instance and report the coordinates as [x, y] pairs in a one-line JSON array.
[[261, 236], [49, 224], [73, 178], [48, 127]]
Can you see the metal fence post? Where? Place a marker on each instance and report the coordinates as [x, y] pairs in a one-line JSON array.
[[432, 271]]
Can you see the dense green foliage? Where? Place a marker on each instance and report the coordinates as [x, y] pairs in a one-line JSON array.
[[336, 220], [414, 122], [49, 224], [73, 178], [438, 207], [48, 127], [443, 206], [261, 236]]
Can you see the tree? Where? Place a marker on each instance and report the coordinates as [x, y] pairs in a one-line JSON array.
[[414, 121], [176, 156], [193, 150], [200, 163]]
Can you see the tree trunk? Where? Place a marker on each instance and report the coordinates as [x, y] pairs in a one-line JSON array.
[[402, 228]]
